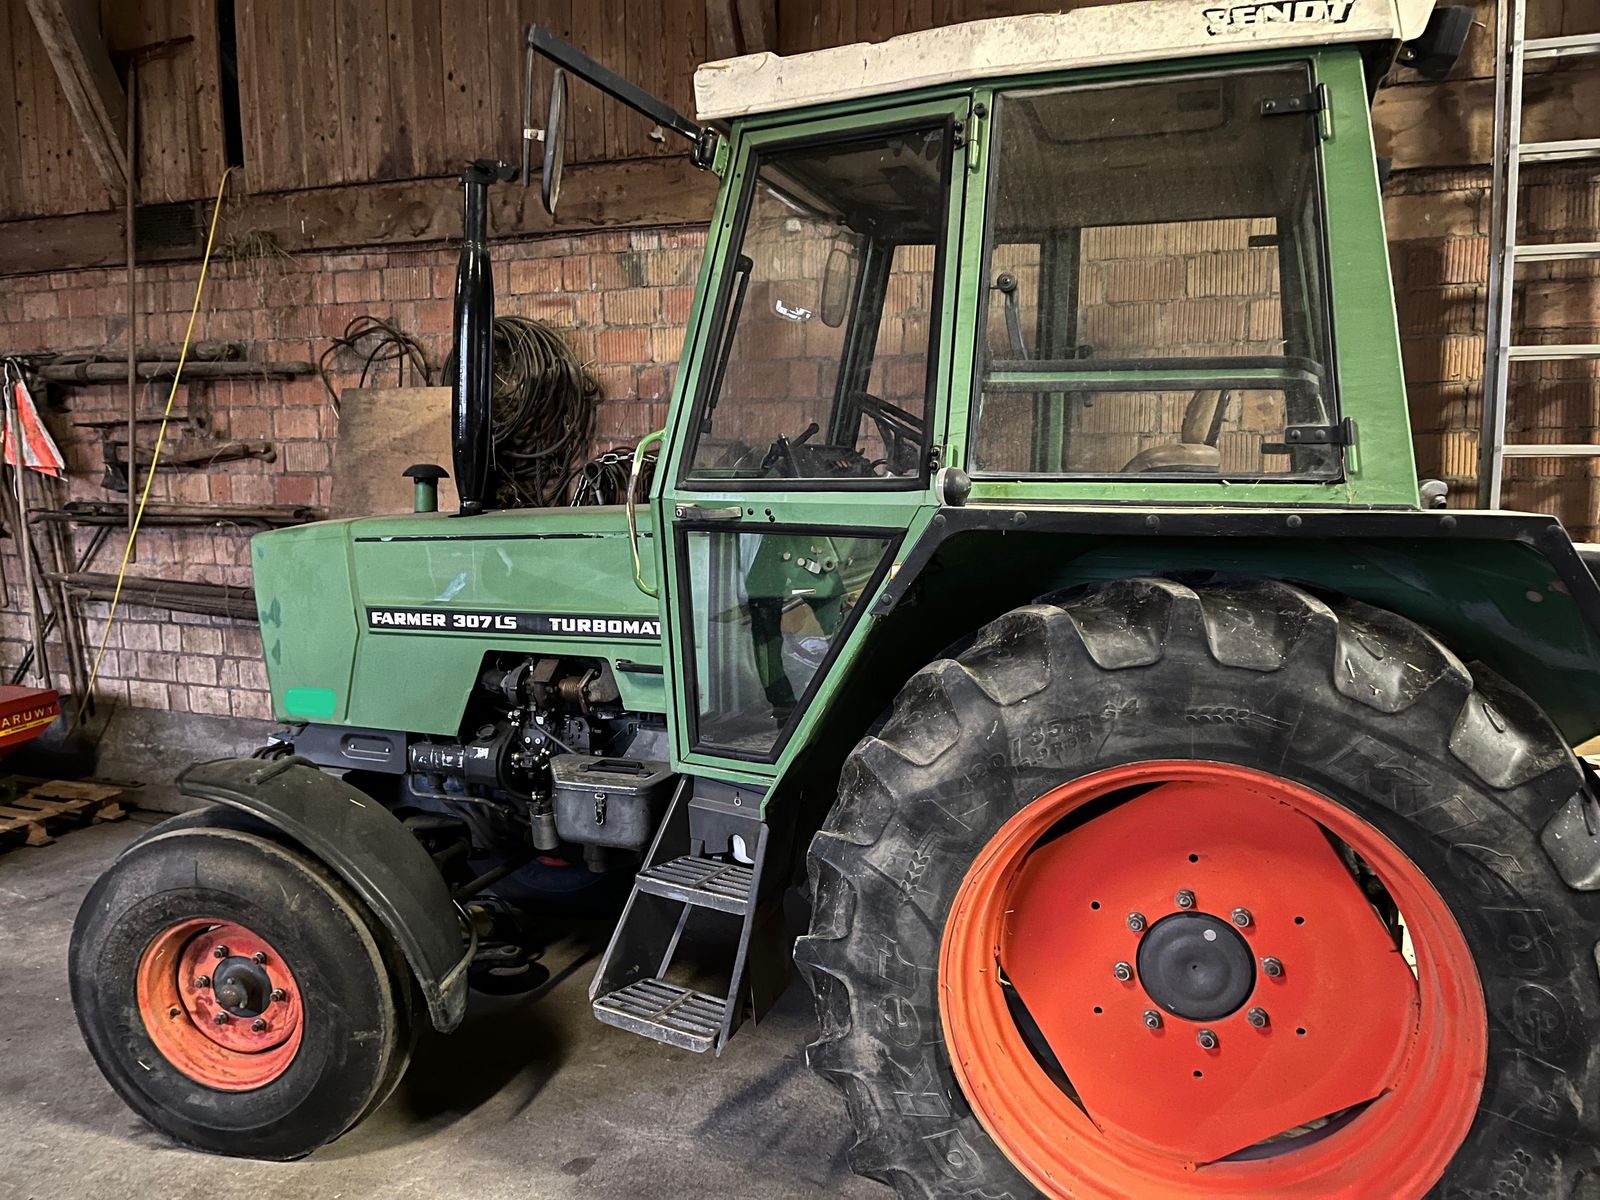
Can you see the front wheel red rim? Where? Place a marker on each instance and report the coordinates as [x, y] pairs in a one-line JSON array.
[[220, 1003], [1190, 978]]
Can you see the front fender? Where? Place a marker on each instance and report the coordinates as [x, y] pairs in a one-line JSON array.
[[361, 842]]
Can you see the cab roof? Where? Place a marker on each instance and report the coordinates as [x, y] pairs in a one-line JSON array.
[[1144, 31]]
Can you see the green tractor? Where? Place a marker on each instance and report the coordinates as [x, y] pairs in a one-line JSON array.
[[1036, 565]]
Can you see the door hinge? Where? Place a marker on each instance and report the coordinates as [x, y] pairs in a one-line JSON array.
[[1314, 101], [1294, 436], [935, 459]]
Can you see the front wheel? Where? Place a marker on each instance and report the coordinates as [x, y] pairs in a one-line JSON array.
[[235, 994], [1172, 892]]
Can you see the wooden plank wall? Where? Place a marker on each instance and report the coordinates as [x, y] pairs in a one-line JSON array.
[[354, 91], [337, 92], [44, 165]]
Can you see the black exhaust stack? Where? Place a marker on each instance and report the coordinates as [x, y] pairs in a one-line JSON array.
[[474, 339]]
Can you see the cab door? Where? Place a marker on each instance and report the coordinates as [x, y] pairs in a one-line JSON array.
[[805, 444]]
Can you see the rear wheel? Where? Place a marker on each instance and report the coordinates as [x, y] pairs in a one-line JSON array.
[[1160, 891], [234, 993]]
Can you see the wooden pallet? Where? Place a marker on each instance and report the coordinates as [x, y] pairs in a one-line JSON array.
[[43, 808]]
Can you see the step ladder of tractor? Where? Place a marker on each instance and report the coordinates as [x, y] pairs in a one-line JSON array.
[[1513, 49], [678, 879]]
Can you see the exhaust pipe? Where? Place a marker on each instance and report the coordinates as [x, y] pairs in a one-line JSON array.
[[473, 339]]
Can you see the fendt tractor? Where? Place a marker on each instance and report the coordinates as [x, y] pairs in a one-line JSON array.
[[1035, 579]]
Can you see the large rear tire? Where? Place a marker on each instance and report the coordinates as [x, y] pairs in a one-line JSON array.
[[235, 994], [1213, 891]]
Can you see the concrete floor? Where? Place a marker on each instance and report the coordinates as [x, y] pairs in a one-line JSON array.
[[531, 1098]]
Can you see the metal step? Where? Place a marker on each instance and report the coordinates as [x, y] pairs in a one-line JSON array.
[[1556, 251], [1552, 450], [1558, 151], [1557, 353], [1562, 47], [704, 882], [665, 1011]]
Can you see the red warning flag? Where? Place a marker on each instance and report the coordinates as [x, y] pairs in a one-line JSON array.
[[38, 447]]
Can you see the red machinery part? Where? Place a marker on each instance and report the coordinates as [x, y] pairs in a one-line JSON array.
[[252, 1043], [1336, 1069], [25, 713]]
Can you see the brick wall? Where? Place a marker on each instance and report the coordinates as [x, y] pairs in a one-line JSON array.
[[620, 298], [1438, 226], [623, 299]]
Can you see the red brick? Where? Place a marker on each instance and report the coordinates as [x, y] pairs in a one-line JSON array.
[[352, 287], [624, 346], [296, 423], [535, 275], [295, 489], [305, 457], [632, 306]]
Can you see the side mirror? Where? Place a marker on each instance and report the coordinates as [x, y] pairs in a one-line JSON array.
[[838, 281], [555, 142]]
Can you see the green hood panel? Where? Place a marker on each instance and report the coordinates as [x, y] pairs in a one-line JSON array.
[[363, 622]]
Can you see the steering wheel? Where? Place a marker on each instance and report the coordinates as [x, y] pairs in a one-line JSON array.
[[781, 455], [900, 430]]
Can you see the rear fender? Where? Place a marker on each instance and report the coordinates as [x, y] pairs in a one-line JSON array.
[[361, 842]]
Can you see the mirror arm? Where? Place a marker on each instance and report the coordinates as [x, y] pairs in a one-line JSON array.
[[564, 54]]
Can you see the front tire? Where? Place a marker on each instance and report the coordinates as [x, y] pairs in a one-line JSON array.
[[1047, 769], [235, 994]]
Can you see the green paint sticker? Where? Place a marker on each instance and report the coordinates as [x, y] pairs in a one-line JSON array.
[[310, 702]]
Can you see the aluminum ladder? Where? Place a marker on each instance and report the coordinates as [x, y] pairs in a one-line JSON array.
[[1513, 49]]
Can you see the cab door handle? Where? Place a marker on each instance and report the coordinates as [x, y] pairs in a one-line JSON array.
[[694, 512]]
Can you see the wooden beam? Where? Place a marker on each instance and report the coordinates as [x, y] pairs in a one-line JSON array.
[[722, 29], [70, 32], [620, 195], [753, 26]]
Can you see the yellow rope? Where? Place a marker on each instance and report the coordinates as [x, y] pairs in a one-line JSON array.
[[155, 456]]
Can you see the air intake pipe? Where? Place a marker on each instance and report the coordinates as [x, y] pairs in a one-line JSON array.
[[473, 338]]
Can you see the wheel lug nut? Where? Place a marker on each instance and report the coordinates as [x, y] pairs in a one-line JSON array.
[[1207, 1039], [259, 957], [1136, 922], [1272, 967], [219, 952], [202, 981], [1122, 971], [1184, 899], [220, 1019], [258, 1025], [1152, 1019], [278, 995], [1241, 917], [1257, 1017]]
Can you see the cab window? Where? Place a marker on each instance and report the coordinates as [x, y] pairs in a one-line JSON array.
[[820, 366], [1154, 289]]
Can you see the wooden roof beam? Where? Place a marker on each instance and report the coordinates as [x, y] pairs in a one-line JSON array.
[[70, 31]]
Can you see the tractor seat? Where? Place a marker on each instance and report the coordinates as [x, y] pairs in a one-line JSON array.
[[1196, 448]]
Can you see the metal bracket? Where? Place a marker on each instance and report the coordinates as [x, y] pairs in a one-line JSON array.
[[1342, 434], [1314, 101]]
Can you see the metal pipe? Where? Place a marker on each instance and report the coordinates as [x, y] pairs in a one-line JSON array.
[[130, 193], [24, 543], [474, 341]]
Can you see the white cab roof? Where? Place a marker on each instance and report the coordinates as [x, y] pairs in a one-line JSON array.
[[1003, 46]]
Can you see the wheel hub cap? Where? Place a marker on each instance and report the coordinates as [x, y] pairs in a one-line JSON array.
[[1196, 966]]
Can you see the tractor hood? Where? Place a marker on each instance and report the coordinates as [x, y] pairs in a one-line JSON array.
[[363, 621]]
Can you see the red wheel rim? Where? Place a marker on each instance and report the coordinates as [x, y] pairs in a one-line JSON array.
[[1361, 1080], [220, 1004]]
